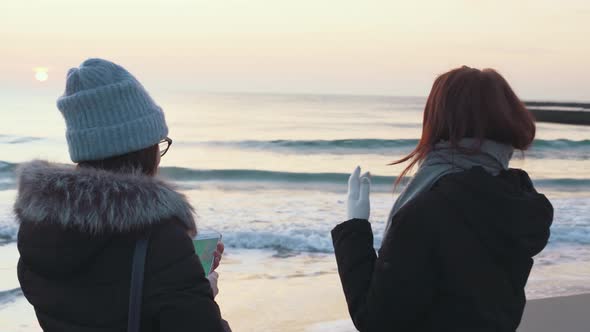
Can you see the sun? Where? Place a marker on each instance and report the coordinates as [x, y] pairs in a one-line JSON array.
[[41, 74]]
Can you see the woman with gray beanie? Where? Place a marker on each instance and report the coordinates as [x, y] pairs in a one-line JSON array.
[[106, 245]]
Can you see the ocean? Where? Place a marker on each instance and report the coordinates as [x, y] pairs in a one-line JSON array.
[[269, 172]]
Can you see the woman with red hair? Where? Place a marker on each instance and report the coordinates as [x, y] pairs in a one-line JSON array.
[[459, 241]]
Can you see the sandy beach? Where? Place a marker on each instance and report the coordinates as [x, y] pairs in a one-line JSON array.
[[563, 314], [308, 301], [557, 314], [309, 298], [302, 293]]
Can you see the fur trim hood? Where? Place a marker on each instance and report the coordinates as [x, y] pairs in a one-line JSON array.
[[96, 200]]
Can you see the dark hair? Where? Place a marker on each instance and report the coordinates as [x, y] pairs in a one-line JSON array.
[[144, 161], [468, 102]]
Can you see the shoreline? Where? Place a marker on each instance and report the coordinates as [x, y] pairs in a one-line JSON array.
[[302, 293]]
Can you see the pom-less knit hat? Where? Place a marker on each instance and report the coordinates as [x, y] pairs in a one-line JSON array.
[[108, 112]]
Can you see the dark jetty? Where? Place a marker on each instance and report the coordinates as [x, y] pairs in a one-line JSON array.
[[556, 112]]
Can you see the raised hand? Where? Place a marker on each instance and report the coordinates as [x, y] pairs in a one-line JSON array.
[[359, 186]]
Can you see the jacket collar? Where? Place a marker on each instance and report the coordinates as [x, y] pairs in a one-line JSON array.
[[96, 200]]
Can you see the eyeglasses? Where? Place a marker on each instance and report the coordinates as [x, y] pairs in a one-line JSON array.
[[165, 145]]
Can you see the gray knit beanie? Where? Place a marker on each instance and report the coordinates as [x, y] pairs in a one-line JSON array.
[[108, 112]]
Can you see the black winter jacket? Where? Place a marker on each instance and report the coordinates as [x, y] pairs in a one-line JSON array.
[[457, 257], [78, 229]]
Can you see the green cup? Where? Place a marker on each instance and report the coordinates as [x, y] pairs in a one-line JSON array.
[[205, 245]]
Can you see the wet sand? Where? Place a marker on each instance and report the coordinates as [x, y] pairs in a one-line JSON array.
[[260, 291], [309, 297], [557, 314]]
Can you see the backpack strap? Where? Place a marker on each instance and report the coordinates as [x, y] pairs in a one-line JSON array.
[[137, 272]]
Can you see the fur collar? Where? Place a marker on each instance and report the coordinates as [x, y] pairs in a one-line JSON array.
[[96, 200]]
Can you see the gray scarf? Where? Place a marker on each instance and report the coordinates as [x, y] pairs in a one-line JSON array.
[[442, 160]]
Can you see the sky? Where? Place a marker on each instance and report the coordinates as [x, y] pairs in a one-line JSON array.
[[375, 47]]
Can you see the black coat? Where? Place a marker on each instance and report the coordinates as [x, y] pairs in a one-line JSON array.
[[457, 257], [76, 240]]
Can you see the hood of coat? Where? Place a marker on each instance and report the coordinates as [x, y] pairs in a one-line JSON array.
[[505, 212], [96, 201]]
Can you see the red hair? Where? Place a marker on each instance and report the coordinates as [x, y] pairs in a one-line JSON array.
[[468, 102]]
